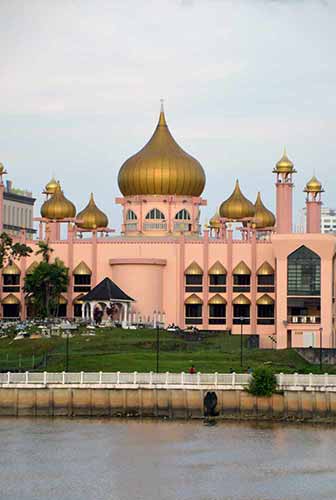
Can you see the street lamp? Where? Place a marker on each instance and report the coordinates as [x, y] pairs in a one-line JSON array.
[[241, 341], [321, 329], [157, 346], [67, 352]]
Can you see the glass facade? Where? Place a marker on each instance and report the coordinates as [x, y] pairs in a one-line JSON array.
[[304, 272]]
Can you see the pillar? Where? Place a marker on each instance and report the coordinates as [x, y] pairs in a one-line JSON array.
[[2, 190], [70, 266], [94, 260], [229, 281], [180, 321], [254, 282], [206, 279]]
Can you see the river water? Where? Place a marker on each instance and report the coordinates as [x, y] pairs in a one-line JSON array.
[[165, 460]]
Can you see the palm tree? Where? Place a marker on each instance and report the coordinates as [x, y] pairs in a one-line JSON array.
[[45, 250]]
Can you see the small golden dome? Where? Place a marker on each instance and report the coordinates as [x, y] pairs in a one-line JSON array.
[[58, 206], [214, 222], [284, 165], [51, 187], [263, 216], [313, 186], [92, 217], [236, 207], [161, 167]]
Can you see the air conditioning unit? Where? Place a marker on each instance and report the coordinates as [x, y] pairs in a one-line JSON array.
[[295, 319], [312, 319], [303, 319]]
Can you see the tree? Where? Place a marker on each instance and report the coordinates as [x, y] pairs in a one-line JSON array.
[[10, 251], [45, 250], [43, 287], [263, 382]]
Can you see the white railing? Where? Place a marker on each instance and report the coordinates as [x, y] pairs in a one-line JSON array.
[[223, 380]]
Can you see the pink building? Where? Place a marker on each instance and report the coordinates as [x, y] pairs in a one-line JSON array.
[[246, 270]]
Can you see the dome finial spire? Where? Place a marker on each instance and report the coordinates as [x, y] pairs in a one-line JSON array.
[[162, 119]]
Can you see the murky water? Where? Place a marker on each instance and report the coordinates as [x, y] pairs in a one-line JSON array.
[[134, 460]]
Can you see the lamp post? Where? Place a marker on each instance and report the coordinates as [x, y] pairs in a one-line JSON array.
[[321, 329], [241, 341], [67, 352], [157, 346]]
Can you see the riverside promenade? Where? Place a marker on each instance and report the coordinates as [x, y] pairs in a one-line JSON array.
[[172, 395]]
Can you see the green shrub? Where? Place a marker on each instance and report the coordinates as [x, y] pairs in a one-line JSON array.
[[263, 382]]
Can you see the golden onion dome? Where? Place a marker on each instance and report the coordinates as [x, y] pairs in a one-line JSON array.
[[313, 186], [236, 207], [284, 165], [92, 217], [161, 167], [214, 222], [58, 206], [51, 187], [263, 217]]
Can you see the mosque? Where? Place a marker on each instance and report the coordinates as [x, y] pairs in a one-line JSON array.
[[246, 271]]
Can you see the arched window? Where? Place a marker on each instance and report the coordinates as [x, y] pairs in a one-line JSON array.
[[183, 215], [131, 215], [304, 272], [155, 214]]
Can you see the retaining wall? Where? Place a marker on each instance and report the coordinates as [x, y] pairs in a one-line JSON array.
[[100, 401]]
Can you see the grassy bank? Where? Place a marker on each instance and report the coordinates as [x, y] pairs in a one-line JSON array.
[[135, 350]]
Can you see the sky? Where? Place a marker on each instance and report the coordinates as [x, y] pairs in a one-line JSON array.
[[81, 83]]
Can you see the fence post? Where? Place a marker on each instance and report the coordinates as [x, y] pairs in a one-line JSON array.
[[295, 379], [82, 377], [233, 379], [100, 378], [45, 378], [118, 378], [310, 379], [182, 378], [167, 378], [27, 377], [63, 378], [150, 378], [198, 378], [8, 377], [326, 380], [280, 379], [134, 377]]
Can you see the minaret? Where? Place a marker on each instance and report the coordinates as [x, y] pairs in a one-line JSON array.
[[313, 192], [284, 171], [2, 190]]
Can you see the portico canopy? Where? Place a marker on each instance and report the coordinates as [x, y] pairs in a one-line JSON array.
[[107, 290]]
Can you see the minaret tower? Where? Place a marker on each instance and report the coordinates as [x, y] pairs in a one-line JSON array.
[[2, 190], [313, 192], [284, 171]]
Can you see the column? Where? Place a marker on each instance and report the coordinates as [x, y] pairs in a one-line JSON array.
[[94, 259], [313, 208], [284, 210], [229, 280], [206, 279], [70, 266], [253, 282], [180, 294]]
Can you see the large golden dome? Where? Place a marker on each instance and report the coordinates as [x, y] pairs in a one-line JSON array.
[[58, 206], [161, 167], [92, 217], [236, 207], [263, 216]]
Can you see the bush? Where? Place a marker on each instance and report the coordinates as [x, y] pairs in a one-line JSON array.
[[263, 382]]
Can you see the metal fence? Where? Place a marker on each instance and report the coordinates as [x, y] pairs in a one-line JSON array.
[[162, 379]]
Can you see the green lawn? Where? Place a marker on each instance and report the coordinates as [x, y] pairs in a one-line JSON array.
[[135, 350]]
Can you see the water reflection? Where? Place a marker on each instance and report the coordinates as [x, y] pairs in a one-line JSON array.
[[165, 460]]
